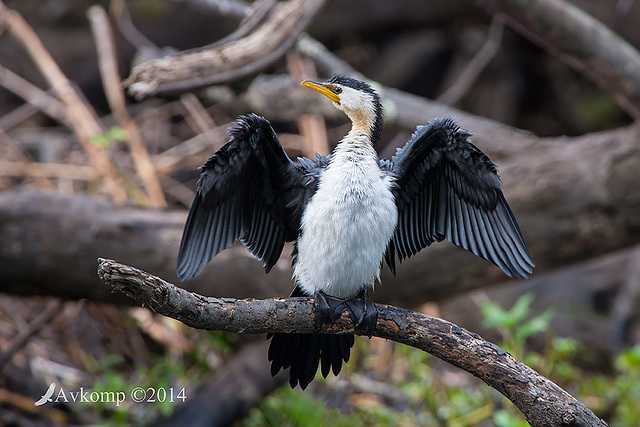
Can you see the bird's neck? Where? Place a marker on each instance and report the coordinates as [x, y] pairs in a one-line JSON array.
[[355, 146], [361, 122], [366, 122], [365, 127]]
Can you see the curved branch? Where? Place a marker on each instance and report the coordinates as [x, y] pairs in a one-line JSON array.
[[580, 41], [541, 401], [479, 62], [219, 63]]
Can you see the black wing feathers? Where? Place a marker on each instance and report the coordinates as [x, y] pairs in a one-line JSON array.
[[243, 193], [447, 188]]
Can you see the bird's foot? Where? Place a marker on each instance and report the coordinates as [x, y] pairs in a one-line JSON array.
[[361, 309], [328, 308], [363, 312]]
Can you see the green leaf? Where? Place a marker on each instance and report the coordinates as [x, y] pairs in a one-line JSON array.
[[534, 326], [116, 133], [629, 359], [99, 140], [494, 315], [520, 309]]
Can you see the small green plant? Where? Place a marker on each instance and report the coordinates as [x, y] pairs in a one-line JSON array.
[[114, 133], [287, 407], [163, 383], [515, 324], [616, 397]]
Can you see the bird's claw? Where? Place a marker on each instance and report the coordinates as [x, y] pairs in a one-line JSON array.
[[328, 308], [363, 312], [361, 309]]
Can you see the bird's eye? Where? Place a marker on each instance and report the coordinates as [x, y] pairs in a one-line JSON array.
[[337, 89]]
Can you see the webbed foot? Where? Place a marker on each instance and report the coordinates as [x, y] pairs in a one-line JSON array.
[[362, 310], [328, 308]]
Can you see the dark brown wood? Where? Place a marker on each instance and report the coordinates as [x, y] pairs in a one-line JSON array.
[[541, 401], [580, 41]]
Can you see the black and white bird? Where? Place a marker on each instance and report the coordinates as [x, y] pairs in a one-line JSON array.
[[346, 213]]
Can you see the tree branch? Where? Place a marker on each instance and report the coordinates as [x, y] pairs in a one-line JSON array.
[[541, 401], [108, 64], [580, 41], [79, 114], [480, 60], [230, 60]]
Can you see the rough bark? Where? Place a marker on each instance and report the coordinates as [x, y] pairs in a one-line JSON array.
[[541, 401]]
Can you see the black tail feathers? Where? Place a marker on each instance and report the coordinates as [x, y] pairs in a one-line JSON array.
[[302, 353]]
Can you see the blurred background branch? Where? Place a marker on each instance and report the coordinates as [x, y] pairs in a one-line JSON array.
[[580, 41], [249, 50]]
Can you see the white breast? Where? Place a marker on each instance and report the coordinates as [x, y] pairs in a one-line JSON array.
[[346, 226]]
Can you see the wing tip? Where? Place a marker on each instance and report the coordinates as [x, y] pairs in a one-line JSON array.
[[186, 270], [522, 268], [243, 126]]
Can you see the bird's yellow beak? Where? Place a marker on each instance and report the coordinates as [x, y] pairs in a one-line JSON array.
[[323, 89]]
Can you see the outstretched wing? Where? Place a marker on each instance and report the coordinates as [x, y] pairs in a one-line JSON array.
[[248, 191], [447, 188]]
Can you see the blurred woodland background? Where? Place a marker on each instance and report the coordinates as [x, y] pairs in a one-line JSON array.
[[93, 167]]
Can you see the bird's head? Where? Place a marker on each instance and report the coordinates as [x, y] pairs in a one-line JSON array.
[[356, 99]]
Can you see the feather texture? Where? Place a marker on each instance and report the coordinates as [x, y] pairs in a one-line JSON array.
[[447, 188], [249, 190]]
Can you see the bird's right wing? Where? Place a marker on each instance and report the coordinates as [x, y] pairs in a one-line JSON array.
[[247, 190]]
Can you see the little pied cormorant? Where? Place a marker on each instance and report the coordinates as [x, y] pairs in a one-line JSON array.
[[346, 213]]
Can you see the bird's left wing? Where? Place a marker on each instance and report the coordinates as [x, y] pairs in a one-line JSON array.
[[445, 187], [248, 191]]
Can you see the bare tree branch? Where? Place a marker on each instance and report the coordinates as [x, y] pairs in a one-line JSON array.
[[53, 308], [541, 401], [478, 63], [255, 15], [579, 40], [39, 99], [108, 64], [236, 58], [79, 114]]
